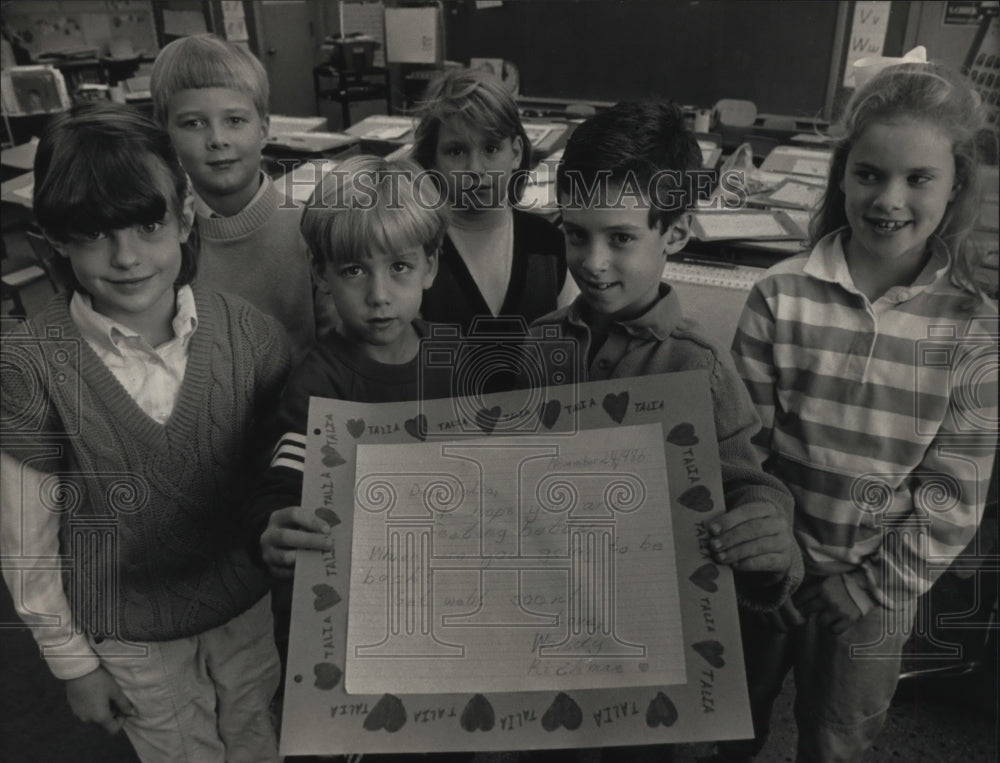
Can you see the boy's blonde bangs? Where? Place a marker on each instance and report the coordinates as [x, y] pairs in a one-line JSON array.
[[369, 205], [205, 61], [360, 232]]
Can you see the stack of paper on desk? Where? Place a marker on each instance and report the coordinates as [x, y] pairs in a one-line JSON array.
[[311, 142], [382, 127], [543, 135], [391, 132], [300, 182], [798, 161], [281, 124], [745, 224], [792, 192]]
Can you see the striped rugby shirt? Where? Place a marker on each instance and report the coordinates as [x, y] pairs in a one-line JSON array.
[[881, 417]]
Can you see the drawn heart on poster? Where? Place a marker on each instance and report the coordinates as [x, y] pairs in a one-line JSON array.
[[487, 418], [616, 405], [697, 498], [417, 427], [562, 712], [704, 577], [478, 714], [331, 456], [683, 436], [327, 675], [661, 711], [356, 427], [550, 413], [326, 597], [328, 515], [711, 651], [388, 714]]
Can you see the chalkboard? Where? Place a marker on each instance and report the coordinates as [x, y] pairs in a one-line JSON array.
[[773, 52]]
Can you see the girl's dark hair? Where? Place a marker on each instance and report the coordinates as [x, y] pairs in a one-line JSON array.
[[480, 101], [938, 95], [101, 166]]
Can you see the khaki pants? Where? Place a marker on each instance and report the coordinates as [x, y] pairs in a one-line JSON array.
[[205, 697]]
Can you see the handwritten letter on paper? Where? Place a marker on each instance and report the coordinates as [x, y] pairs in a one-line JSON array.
[[513, 565], [544, 589]]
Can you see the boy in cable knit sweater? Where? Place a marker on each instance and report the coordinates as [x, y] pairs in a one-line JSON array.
[[212, 97], [128, 408]]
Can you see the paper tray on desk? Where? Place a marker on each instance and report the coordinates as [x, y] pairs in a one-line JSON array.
[[760, 225]]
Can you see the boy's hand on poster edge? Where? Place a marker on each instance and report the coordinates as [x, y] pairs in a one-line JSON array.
[[288, 530], [755, 538]]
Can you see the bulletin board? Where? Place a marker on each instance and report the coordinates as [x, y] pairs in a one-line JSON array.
[[782, 55], [515, 571], [69, 26]]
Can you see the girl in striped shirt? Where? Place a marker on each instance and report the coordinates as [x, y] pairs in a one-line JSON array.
[[872, 361]]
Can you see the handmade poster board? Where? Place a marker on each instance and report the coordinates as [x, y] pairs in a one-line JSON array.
[[515, 571]]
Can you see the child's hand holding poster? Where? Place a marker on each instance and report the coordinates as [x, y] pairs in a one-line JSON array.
[[520, 571]]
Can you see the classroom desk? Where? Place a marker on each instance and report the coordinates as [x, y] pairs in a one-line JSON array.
[[20, 157], [310, 144], [759, 254], [382, 134], [300, 183], [715, 307], [279, 124], [19, 190]]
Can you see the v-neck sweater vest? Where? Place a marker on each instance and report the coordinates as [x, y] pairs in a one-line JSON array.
[[538, 271], [150, 511]]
